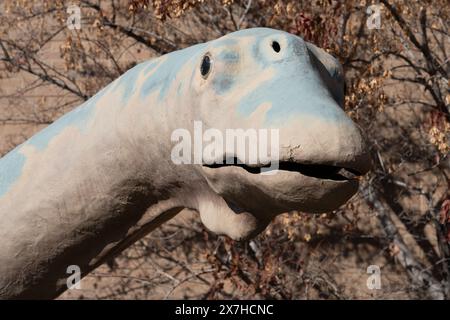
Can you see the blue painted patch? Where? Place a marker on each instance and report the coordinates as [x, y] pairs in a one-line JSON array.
[[294, 91], [162, 79], [150, 66], [223, 83], [258, 32], [226, 42], [78, 117], [10, 169], [229, 56], [128, 82], [150, 84], [256, 53]]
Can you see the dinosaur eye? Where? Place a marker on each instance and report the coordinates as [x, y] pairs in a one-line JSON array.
[[276, 46], [205, 68]]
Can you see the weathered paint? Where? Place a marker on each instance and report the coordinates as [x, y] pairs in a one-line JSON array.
[[11, 165], [99, 177], [78, 118]]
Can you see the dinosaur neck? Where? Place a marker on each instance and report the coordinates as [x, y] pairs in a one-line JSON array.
[[84, 195]]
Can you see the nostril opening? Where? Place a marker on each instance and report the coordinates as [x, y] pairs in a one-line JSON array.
[[276, 46]]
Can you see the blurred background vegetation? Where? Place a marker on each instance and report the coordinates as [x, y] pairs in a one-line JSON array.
[[397, 90]]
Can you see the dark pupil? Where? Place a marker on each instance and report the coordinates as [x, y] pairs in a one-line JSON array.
[[206, 65], [276, 46]]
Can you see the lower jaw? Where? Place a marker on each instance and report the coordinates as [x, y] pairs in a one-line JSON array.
[[273, 194]]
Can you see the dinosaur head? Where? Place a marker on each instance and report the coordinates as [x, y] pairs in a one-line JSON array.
[[271, 80]]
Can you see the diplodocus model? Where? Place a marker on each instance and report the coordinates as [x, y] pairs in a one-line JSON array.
[[102, 176]]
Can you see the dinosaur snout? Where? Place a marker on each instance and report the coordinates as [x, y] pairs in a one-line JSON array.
[[328, 140]]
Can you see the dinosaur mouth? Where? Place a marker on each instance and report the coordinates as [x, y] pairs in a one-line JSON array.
[[318, 171], [292, 186]]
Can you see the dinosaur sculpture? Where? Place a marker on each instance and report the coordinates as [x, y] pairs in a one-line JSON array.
[[101, 177]]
